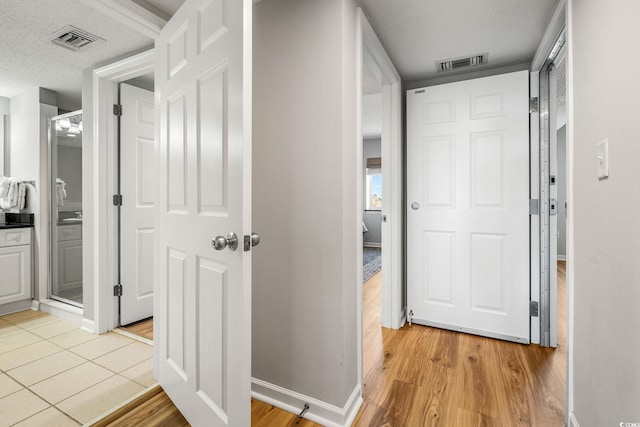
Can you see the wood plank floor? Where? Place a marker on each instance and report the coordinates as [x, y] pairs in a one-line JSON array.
[[143, 328], [421, 376]]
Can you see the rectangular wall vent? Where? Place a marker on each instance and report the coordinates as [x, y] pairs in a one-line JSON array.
[[461, 62], [74, 38]]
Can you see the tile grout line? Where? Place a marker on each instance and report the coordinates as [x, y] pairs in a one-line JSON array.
[[84, 359]]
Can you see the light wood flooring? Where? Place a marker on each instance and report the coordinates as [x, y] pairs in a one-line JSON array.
[[421, 376], [143, 328]]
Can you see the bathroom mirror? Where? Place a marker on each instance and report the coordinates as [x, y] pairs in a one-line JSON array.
[[65, 198]]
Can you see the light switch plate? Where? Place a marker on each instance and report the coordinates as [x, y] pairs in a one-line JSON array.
[[602, 159]]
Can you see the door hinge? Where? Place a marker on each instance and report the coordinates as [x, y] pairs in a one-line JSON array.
[[533, 308], [534, 105], [553, 207], [117, 110], [117, 290], [117, 200], [534, 206]]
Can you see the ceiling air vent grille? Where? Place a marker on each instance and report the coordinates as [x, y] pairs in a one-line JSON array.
[[74, 38], [464, 61]]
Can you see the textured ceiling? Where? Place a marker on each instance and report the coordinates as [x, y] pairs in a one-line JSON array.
[[417, 33], [28, 59]]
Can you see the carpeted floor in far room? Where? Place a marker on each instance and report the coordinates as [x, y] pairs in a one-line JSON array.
[[372, 261]]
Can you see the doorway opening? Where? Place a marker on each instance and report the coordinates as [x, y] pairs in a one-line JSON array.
[[136, 182], [372, 251], [105, 163], [553, 195]]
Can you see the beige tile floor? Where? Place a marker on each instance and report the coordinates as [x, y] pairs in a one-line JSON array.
[[54, 374]]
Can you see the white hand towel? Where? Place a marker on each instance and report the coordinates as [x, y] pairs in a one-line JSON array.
[[61, 192], [22, 195], [4, 189], [11, 199]]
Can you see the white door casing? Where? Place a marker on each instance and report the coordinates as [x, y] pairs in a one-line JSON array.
[[203, 296], [468, 236], [139, 184]]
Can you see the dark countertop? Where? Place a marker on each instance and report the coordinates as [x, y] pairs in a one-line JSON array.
[[17, 220], [5, 226]]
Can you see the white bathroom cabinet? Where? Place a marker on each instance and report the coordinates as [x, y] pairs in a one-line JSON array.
[[15, 265], [68, 268]]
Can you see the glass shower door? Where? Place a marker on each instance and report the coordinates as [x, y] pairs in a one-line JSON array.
[[65, 152]]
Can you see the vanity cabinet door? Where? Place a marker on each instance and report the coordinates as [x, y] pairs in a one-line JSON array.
[[69, 265], [15, 279]]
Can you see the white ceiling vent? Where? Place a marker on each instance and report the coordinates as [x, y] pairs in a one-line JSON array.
[[74, 38], [461, 62]]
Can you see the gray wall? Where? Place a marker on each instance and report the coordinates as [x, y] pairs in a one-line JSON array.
[[606, 320], [304, 203], [561, 181], [372, 148]]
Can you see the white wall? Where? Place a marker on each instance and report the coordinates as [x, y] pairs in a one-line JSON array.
[[27, 160], [304, 203], [88, 202], [606, 320], [372, 219]]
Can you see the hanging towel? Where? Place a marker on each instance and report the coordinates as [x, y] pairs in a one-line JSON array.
[[61, 192], [11, 199], [4, 187], [22, 195]]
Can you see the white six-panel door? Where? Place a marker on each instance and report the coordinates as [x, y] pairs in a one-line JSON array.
[[468, 211], [139, 183], [203, 304]]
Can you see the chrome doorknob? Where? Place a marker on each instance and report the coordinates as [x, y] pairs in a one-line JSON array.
[[220, 242], [255, 239]]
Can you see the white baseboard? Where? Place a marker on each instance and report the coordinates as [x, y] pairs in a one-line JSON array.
[[573, 421], [319, 412], [70, 313], [562, 257], [13, 307], [88, 326], [372, 245]]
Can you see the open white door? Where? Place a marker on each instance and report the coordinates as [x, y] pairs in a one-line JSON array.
[[139, 178], [203, 295], [468, 213]]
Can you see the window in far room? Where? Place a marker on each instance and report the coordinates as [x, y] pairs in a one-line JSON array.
[[374, 184]]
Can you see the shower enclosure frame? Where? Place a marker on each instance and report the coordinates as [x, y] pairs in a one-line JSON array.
[[53, 217]]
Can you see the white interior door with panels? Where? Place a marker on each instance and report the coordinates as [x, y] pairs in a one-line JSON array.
[[468, 213], [203, 295], [139, 179]]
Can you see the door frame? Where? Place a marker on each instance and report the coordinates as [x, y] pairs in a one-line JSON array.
[[369, 51], [103, 252], [556, 25], [561, 18]]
